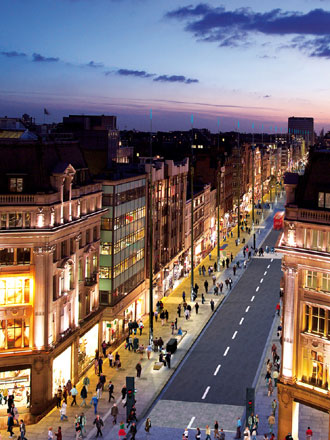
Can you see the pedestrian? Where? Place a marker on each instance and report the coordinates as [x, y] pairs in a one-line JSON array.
[[166, 315], [86, 382], [198, 435], [186, 314], [244, 264], [212, 305], [185, 434], [104, 348], [222, 434], [172, 329], [50, 433], [136, 343], [203, 298], [22, 429], [216, 429], [246, 434], [10, 424], [231, 257], [271, 423], [203, 270], [207, 432], [227, 283], [83, 395], [215, 266], [221, 286], [230, 283], [83, 422], [162, 316], [110, 357], [278, 309], [196, 307], [183, 296], [216, 290], [74, 393], [114, 412], [206, 286], [176, 323], [168, 359], [59, 397], [309, 433], [147, 425], [95, 402], [254, 433], [141, 327], [133, 431], [270, 387], [209, 270], [214, 279], [123, 392], [234, 269], [103, 380], [111, 389], [138, 368], [200, 271], [96, 365], [98, 422], [210, 256], [100, 362], [238, 428], [274, 406], [77, 428], [179, 310], [58, 433], [63, 415]]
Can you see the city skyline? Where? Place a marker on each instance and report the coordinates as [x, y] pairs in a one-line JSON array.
[[220, 61]]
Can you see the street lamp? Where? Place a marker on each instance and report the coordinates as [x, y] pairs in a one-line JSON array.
[[192, 214], [253, 219], [218, 215], [151, 308]]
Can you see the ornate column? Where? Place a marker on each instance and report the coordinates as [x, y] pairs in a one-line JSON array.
[[288, 322], [76, 281], [42, 290]]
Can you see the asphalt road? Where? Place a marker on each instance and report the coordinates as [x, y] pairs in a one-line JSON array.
[[224, 361]]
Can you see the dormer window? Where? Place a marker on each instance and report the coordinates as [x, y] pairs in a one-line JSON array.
[[324, 200], [16, 184]]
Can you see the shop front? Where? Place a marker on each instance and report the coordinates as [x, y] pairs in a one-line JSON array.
[[130, 313], [62, 369], [111, 330], [18, 383], [88, 344], [139, 308]]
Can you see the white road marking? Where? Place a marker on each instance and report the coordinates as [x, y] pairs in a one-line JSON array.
[[191, 422], [262, 280], [234, 335], [205, 392], [252, 298], [257, 289], [272, 260], [265, 273], [241, 321], [227, 349], [217, 370], [247, 309], [268, 266]]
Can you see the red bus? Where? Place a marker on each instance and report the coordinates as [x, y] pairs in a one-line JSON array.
[[279, 220]]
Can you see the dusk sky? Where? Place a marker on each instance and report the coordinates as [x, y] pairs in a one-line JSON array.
[[229, 60]]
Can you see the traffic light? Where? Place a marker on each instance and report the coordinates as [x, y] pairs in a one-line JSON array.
[[130, 400], [250, 398]]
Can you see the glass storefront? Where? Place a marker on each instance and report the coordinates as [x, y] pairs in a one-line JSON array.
[[17, 382], [61, 369], [110, 330], [130, 313], [88, 344]]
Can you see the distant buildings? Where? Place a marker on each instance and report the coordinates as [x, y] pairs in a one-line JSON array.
[[305, 245], [302, 127]]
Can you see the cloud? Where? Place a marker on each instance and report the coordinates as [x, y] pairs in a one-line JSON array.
[[94, 65], [266, 96], [175, 78], [232, 28], [36, 57], [137, 73], [13, 54]]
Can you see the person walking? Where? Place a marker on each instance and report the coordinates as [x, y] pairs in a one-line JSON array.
[[141, 326], [254, 433], [22, 429], [111, 389], [183, 296], [50, 433], [246, 434], [77, 428], [203, 298], [234, 269], [179, 310], [58, 434], [83, 422], [270, 387], [138, 368], [238, 428], [216, 430], [212, 305], [59, 397], [309, 433], [198, 435], [172, 329], [221, 286], [95, 402], [196, 307], [100, 362], [162, 316], [86, 382], [74, 393], [147, 426], [83, 395], [63, 415], [110, 357], [133, 431], [166, 316], [10, 424], [114, 412], [271, 423], [274, 407], [98, 422], [104, 348], [206, 286], [168, 359], [207, 432]]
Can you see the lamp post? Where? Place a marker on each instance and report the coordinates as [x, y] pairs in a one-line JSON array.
[[239, 191], [253, 218], [192, 214], [262, 173], [151, 308], [218, 216]]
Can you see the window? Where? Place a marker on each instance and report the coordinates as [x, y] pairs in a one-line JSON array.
[[16, 184], [317, 239], [27, 218], [326, 282], [311, 279], [63, 249], [14, 291], [324, 200], [3, 221], [23, 255], [318, 320], [16, 333], [94, 263], [107, 200], [105, 272], [13, 256], [15, 220], [106, 224], [106, 248], [80, 270], [95, 235], [88, 236]]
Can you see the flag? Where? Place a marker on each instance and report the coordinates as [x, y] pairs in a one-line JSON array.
[[46, 112]]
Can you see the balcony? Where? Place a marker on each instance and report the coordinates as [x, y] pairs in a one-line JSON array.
[[307, 215], [91, 281]]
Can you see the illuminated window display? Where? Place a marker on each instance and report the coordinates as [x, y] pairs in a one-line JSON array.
[[61, 369], [17, 382], [15, 290], [88, 343]]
